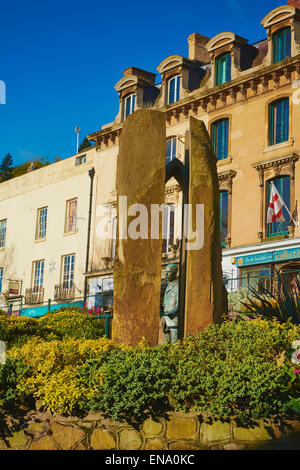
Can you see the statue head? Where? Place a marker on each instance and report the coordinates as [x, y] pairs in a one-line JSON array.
[[171, 272]]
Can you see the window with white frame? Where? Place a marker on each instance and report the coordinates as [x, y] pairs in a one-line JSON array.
[[68, 265], [71, 216], [3, 224], [129, 102], [41, 227], [38, 275], [1, 279], [174, 89], [168, 227]]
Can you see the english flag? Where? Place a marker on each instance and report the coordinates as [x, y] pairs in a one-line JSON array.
[[276, 203]]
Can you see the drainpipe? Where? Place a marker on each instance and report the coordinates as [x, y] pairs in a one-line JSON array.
[[91, 175]]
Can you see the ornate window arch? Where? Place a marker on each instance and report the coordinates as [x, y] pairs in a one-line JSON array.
[[271, 169]]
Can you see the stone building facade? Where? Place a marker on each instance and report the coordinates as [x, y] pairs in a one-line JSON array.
[[248, 95]]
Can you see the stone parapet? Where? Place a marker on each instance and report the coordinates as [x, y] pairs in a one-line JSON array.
[[43, 431]]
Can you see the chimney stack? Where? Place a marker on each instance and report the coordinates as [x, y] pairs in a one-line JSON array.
[[294, 3], [197, 49]]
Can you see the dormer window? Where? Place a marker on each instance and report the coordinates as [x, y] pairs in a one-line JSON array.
[[129, 102], [281, 45], [173, 89], [223, 68]]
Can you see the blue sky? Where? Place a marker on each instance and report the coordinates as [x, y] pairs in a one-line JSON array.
[[60, 60]]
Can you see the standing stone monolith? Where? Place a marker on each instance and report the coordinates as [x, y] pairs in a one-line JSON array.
[[206, 298], [137, 266]]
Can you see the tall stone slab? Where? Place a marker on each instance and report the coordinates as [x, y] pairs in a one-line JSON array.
[[206, 298], [137, 266]]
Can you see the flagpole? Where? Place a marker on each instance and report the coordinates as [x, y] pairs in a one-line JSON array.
[[292, 218]]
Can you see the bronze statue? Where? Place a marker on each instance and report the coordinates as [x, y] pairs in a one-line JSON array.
[[171, 299]]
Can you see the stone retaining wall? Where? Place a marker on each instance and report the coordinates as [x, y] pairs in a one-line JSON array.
[[43, 431]]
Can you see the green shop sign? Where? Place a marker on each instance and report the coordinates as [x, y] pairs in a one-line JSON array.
[[276, 256]]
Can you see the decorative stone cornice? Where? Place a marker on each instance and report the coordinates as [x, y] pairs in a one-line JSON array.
[[226, 175], [237, 90], [276, 162]]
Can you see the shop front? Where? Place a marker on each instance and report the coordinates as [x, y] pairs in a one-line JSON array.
[[260, 270]]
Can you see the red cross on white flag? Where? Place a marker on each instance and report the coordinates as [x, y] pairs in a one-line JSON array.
[[276, 203]]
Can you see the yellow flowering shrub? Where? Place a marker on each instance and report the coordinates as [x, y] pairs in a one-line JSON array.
[[54, 365]]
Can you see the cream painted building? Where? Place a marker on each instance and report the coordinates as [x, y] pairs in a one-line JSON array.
[[43, 224]]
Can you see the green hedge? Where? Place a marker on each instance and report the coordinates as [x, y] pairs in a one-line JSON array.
[[232, 370], [56, 325]]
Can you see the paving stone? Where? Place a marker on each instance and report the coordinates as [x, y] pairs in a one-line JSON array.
[[155, 444], [181, 428], [130, 440], [215, 432], [18, 440], [80, 446], [36, 428], [258, 433], [44, 443], [151, 428], [184, 445], [102, 440], [66, 436]]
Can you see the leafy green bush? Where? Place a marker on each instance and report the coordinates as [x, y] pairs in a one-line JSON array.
[[232, 370], [11, 373], [56, 325], [229, 370], [73, 324], [19, 330], [135, 383]]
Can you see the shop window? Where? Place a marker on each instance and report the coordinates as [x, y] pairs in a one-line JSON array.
[[223, 216], [281, 45], [220, 133], [257, 278], [129, 103], [171, 150], [223, 68], [173, 89], [282, 184], [279, 121]]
